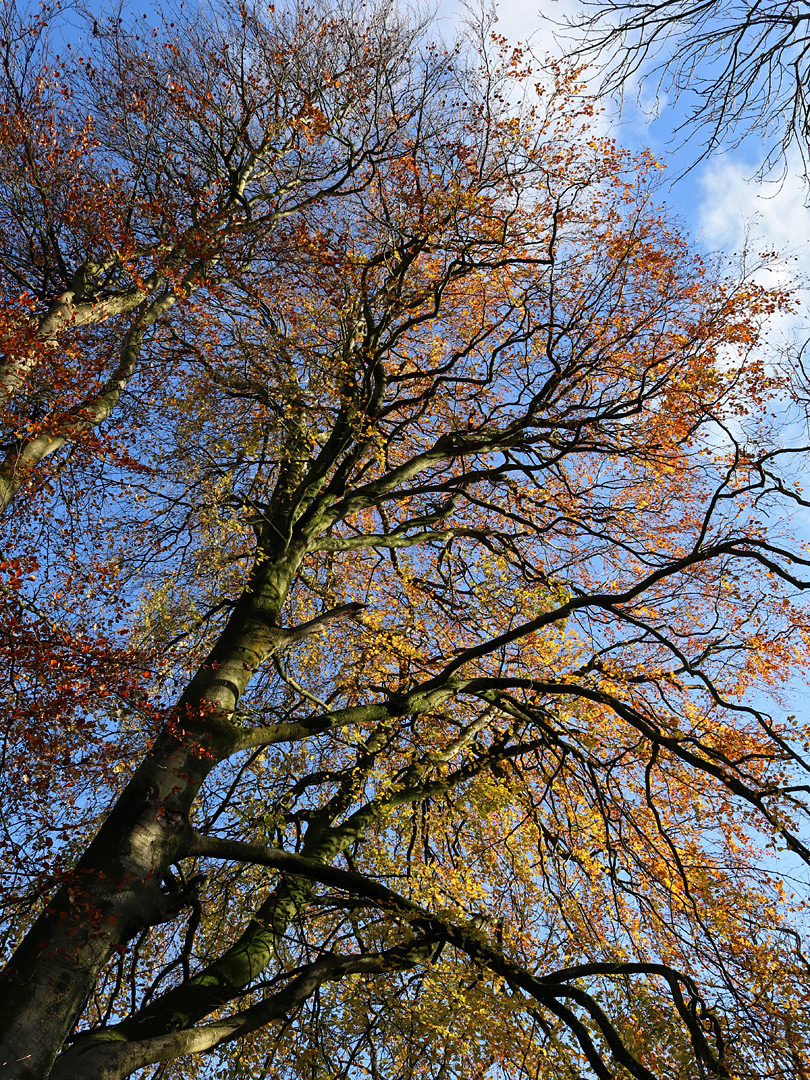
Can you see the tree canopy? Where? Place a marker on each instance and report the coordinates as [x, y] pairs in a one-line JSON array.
[[396, 560]]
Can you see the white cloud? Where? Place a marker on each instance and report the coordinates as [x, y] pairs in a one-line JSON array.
[[518, 20], [739, 214]]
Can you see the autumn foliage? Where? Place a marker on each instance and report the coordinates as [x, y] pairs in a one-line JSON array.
[[399, 598]]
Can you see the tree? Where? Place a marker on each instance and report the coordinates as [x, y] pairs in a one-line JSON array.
[[392, 548], [741, 69]]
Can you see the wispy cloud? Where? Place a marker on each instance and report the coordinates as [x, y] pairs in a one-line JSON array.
[[738, 212]]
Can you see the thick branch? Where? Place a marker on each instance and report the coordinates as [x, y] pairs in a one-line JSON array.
[[545, 990], [105, 1055]]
